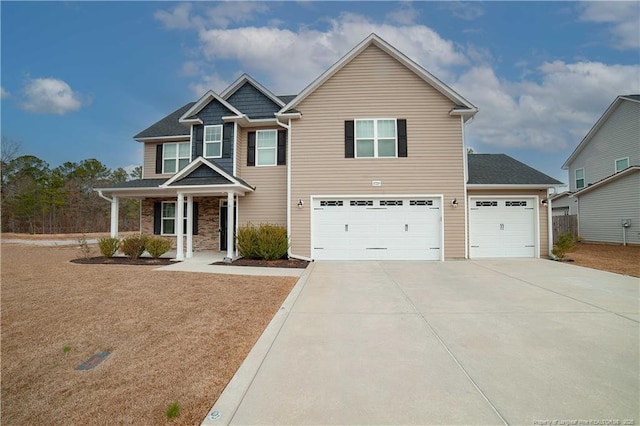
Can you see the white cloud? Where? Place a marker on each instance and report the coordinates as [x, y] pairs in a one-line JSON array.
[[406, 15], [219, 16], [50, 96], [209, 82], [550, 115], [179, 18], [3, 93], [464, 10], [624, 16]]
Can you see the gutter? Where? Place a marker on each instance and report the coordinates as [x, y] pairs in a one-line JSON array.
[[103, 196]]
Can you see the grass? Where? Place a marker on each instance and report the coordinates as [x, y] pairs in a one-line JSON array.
[[173, 336], [173, 411]]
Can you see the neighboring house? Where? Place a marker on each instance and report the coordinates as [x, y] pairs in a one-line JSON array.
[[367, 162], [563, 204], [604, 178]]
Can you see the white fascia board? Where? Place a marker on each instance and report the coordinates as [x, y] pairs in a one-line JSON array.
[[163, 138], [395, 53], [201, 103], [595, 129], [288, 115], [605, 181], [246, 122], [520, 186], [238, 189], [194, 165], [244, 78]]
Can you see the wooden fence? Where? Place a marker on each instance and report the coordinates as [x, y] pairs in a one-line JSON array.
[[565, 224]]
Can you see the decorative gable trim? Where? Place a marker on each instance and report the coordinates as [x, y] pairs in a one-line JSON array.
[[197, 163], [187, 117], [246, 78], [463, 106], [614, 105]]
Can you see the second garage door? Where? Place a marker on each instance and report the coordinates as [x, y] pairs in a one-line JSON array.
[[364, 228], [502, 227]]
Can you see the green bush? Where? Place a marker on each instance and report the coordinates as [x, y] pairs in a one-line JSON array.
[[157, 246], [133, 246], [565, 244], [272, 242], [108, 246], [266, 241], [247, 242]]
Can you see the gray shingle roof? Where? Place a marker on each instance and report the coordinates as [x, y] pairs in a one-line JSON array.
[[500, 169], [168, 126], [138, 183], [287, 98], [634, 97]]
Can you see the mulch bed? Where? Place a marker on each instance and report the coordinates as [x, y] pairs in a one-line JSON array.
[[101, 260], [278, 263]]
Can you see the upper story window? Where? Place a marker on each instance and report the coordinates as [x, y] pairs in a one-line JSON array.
[[621, 164], [579, 178], [266, 147], [213, 141], [376, 138], [175, 156]]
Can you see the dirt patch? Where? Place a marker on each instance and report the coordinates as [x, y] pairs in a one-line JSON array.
[[101, 260], [173, 336], [606, 257], [62, 237], [278, 263]]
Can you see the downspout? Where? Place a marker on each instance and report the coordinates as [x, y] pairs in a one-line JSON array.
[[466, 195], [104, 196], [288, 127], [550, 221]]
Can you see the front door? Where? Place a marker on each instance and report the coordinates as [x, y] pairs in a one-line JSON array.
[[223, 225]]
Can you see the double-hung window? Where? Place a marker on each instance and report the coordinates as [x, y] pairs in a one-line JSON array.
[[169, 217], [175, 156], [266, 147], [376, 138], [213, 141], [579, 178], [622, 164]]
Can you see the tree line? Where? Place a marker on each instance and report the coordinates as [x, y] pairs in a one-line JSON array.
[[38, 199]]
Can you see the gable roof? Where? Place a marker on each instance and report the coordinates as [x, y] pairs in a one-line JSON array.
[[246, 78], [188, 116], [614, 105], [168, 126], [500, 169], [602, 182], [463, 106], [203, 172]]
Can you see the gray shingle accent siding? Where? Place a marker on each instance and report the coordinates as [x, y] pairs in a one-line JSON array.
[[500, 169], [252, 102]]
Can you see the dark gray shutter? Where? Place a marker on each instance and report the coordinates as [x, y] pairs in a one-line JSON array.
[[282, 147], [251, 149], [227, 140], [348, 139], [159, 158], [402, 138], [157, 218], [198, 137], [195, 218]]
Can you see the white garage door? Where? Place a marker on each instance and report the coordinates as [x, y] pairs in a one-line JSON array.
[[377, 228], [502, 227]]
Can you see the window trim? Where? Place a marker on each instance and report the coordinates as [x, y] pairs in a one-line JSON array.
[[177, 158], [205, 142], [163, 218], [615, 164], [275, 148], [575, 180], [375, 137]]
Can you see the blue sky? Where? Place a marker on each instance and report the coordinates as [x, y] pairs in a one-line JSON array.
[[79, 79]]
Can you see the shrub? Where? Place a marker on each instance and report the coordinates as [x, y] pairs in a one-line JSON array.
[[84, 246], [247, 242], [108, 246], [266, 241], [565, 244], [133, 246], [157, 246], [272, 242]]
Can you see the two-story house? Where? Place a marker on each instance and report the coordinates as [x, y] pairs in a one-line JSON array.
[[367, 162], [604, 178]]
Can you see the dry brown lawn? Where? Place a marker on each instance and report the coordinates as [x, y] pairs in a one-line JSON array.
[[174, 337], [607, 257]]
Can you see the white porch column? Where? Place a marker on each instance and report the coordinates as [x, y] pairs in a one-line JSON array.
[[189, 226], [230, 226], [115, 211], [179, 227]]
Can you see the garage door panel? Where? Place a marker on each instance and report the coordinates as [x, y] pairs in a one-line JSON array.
[[377, 229]]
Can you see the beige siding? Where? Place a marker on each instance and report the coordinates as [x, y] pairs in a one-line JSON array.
[[149, 162], [542, 210], [267, 204], [374, 85]]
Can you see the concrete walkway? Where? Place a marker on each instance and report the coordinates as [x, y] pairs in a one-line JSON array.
[[460, 342]]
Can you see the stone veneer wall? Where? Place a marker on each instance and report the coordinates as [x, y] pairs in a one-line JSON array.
[[208, 237]]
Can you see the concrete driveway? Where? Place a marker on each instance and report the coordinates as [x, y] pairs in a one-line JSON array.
[[528, 342]]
